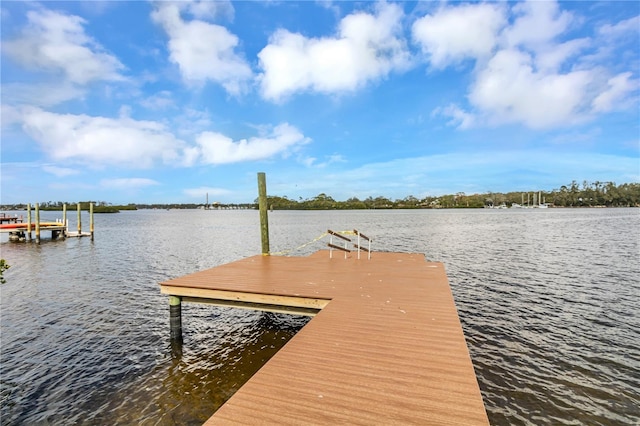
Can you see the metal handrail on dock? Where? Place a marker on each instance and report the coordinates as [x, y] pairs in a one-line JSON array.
[[345, 249], [360, 247]]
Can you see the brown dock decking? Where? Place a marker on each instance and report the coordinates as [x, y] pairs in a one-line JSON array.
[[386, 346]]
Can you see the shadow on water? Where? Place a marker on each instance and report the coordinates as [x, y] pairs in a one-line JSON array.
[[196, 377]]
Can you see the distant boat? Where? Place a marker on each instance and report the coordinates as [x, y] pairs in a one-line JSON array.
[[516, 206], [491, 206], [542, 205], [23, 225]]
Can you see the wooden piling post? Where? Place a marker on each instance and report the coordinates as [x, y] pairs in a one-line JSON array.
[[79, 222], [264, 218], [91, 219], [37, 223], [64, 220], [29, 221], [175, 318]]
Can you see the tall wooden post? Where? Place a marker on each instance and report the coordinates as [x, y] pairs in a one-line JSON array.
[[37, 223], [175, 318], [264, 218], [79, 222], [29, 221], [64, 220], [91, 219]]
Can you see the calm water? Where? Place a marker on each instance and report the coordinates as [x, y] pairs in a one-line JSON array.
[[548, 300]]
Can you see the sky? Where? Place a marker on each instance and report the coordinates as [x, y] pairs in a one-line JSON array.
[[166, 102]]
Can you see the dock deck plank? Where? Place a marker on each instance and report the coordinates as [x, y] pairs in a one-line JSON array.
[[388, 348]]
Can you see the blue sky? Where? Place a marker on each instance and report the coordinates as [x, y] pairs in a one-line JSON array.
[[167, 101]]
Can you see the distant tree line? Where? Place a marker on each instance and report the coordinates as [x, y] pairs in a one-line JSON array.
[[98, 206], [587, 194], [212, 206], [595, 194], [105, 207]]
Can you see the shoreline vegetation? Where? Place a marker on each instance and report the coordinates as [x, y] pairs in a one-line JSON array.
[[595, 194]]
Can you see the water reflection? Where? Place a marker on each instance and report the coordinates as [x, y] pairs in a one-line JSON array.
[[176, 349], [196, 377]]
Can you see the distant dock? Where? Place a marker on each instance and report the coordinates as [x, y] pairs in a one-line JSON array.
[[385, 346], [19, 230]]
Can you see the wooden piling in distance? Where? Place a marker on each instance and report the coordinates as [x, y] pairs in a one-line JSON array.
[[264, 218], [37, 223], [29, 221], [79, 221], [64, 220], [91, 220]]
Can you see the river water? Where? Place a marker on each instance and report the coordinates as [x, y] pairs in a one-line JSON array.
[[548, 299]]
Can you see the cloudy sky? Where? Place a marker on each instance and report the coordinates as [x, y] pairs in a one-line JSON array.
[[135, 101]]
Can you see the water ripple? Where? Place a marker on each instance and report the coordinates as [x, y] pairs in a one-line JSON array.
[[547, 300]]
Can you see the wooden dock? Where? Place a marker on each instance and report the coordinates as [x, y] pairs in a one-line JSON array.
[[21, 231], [385, 347]]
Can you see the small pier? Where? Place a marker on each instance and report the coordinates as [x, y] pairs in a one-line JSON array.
[[19, 230], [385, 345]]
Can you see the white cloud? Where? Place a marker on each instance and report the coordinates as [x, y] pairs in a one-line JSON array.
[[123, 141], [367, 47], [622, 28], [207, 9], [526, 71], [43, 94], [60, 171], [216, 148], [203, 191], [54, 42], [127, 183], [510, 90], [539, 22], [203, 51], [617, 89], [551, 58], [100, 140], [329, 159], [459, 117], [158, 101], [330, 5], [454, 34], [9, 116]]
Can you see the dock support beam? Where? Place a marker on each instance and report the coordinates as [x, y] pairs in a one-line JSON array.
[[29, 221], [264, 218], [91, 219], [64, 220], [79, 221], [175, 318], [37, 223]]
